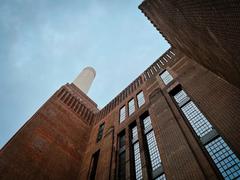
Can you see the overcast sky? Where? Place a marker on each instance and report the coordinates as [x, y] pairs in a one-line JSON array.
[[45, 44]]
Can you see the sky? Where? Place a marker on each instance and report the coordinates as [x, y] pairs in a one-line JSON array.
[[45, 44]]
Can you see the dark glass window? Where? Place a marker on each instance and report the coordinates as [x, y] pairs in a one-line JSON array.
[[100, 132], [121, 141], [93, 167], [121, 157]]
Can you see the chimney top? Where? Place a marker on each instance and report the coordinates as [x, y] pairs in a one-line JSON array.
[[85, 78]]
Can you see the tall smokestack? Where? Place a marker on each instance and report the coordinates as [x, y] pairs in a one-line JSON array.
[[85, 79]]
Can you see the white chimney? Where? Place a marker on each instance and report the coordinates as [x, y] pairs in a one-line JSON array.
[[85, 79]]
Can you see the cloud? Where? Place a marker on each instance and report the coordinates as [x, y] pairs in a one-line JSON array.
[[45, 44]]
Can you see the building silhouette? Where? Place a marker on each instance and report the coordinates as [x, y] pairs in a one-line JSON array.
[[178, 120]]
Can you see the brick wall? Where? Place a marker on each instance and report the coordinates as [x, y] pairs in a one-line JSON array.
[[51, 144], [206, 31]]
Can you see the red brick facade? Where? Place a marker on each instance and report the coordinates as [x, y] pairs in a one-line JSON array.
[[59, 141], [206, 31]]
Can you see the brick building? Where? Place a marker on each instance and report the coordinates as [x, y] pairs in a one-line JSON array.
[[178, 120]]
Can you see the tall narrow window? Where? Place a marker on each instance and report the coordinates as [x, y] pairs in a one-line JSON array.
[[136, 153], [100, 132], [121, 157], [224, 158], [122, 114], [166, 77], [140, 99], [156, 165], [131, 107], [93, 167]]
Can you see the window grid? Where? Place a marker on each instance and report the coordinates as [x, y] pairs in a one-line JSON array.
[[136, 153], [134, 132], [152, 144], [166, 77], [224, 158], [162, 177], [147, 123], [153, 150], [122, 114], [198, 121], [180, 96], [140, 99], [137, 161], [131, 107]]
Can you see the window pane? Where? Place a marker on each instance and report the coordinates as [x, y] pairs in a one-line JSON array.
[[122, 114], [224, 158], [153, 150], [131, 107], [147, 123], [152, 144], [134, 133], [137, 161], [100, 132], [180, 96], [136, 153], [166, 77], [197, 120], [140, 99], [162, 177]]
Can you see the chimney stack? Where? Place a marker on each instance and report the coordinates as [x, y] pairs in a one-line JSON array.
[[85, 79]]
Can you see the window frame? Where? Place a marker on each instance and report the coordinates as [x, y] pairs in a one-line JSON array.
[[140, 103], [202, 141], [131, 107], [100, 132], [120, 114], [168, 77]]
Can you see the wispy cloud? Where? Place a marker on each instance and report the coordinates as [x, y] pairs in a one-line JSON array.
[[45, 44]]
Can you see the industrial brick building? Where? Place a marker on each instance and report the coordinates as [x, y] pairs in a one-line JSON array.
[[178, 120]]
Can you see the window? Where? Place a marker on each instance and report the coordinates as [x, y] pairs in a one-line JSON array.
[[166, 77], [198, 121], [131, 107], [121, 157], [140, 99], [136, 153], [100, 132], [223, 157], [153, 152], [122, 114], [93, 166], [226, 161]]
